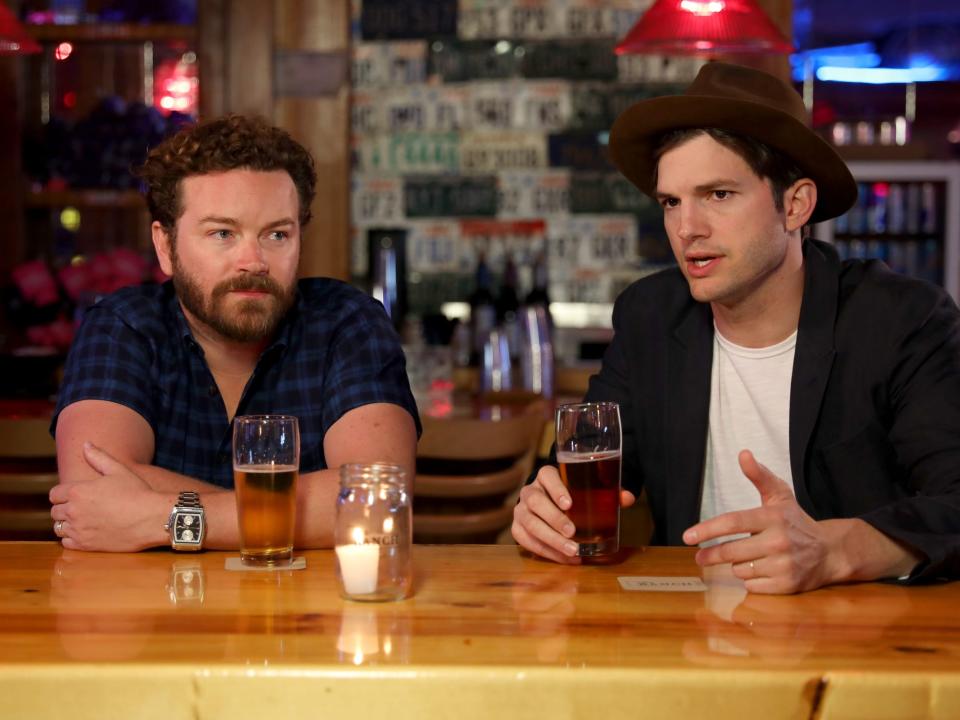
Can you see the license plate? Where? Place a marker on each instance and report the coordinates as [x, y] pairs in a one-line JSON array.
[[388, 64], [576, 60], [524, 19], [408, 152], [533, 194], [589, 193], [494, 106], [405, 110], [376, 200], [599, 241], [433, 246], [409, 20], [545, 105], [450, 196], [447, 107], [460, 61], [492, 152], [366, 113], [523, 240], [580, 151]]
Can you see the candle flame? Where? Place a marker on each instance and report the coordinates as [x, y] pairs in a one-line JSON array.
[[357, 535]]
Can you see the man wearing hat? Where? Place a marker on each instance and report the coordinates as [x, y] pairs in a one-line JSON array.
[[792, 414]]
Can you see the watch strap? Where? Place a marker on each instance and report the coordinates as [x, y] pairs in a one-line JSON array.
[[189, 499]]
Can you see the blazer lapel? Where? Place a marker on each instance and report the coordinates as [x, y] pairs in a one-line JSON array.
[[813, 358], [689, 359]]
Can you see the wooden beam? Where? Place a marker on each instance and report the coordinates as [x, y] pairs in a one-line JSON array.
[[249, 51], [304, 29]]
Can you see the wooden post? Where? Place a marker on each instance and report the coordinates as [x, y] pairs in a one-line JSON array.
[[313, 36]]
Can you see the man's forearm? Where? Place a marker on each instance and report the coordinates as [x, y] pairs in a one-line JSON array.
[[864, 553], [316, 503]]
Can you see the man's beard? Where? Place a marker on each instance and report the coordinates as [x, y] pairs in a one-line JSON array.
[[251, 320]]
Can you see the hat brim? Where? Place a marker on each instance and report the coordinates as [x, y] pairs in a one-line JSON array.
[[634, 133]]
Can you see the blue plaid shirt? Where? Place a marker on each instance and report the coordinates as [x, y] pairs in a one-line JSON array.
[[335, 350]]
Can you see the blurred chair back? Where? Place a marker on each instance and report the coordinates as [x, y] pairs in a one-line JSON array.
[[469, 471], [28, 469]]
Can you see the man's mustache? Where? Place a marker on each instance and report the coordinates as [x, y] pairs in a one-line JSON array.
[[256, 283]]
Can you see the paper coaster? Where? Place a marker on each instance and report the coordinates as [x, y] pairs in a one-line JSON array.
[[234, 563], [662, 584]]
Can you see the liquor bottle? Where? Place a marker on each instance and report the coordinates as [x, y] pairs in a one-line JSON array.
[[483, 314], [540, 295], [508, 303], [507, 300]]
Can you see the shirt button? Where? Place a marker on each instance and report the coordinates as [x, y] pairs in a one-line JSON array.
[[224, 456], [212, 391]]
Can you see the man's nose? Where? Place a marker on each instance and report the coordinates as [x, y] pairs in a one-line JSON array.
[[251, 257], [693, 225]]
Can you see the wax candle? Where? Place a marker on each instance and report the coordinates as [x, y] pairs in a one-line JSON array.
[[359, 563]]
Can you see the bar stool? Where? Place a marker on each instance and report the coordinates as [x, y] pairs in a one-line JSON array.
[[28, 469], [469, 471]]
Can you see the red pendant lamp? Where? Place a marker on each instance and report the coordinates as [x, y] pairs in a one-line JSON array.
[[704, 27], [14, 39]]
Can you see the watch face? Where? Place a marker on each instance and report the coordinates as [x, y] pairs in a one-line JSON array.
[[188, 527]]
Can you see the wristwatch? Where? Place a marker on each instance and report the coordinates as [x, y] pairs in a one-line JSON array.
[[187, 524]]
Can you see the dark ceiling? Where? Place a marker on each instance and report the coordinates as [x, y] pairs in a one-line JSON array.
[[820, 23]]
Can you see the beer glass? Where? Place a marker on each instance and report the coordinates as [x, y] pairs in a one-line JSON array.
[[266, 462], [588, 452]]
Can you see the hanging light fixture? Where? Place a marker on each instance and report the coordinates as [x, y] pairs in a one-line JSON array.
[[704, 27], [14, 39]]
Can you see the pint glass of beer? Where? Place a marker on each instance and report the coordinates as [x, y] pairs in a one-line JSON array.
[[588, 452], [266, 461]]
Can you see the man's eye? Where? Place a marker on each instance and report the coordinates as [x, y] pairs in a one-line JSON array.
[[721, 194], [279, 235], [669, 202], [222, 234]]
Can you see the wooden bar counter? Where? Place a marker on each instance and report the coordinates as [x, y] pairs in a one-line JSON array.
[[489, 633]]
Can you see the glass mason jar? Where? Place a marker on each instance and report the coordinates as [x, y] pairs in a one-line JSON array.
[[373, 532]]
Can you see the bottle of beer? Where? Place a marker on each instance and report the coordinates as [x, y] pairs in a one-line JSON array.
[[483, 314]]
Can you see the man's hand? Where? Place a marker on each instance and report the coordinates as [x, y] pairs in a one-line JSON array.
[[787, 551], [116, 511], [540, 524]]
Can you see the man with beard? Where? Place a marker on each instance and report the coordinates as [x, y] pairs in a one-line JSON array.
[[157, 373]]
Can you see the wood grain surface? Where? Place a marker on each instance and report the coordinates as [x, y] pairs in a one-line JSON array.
[[487, 633]]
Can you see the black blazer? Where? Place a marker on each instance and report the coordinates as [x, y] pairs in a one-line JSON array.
[[874, 402]]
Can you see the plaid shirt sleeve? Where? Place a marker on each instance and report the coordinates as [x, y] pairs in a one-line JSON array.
[[365, 365], [107, 361]]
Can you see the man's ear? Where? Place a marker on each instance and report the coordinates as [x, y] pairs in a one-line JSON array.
[[799, 200], [163, 247]]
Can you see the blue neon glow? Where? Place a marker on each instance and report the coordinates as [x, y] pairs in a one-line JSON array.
[[882, 76], [854, 55]]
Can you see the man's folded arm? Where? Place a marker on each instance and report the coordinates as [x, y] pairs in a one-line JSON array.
[[132, 500]]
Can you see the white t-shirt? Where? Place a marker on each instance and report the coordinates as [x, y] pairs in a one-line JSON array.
[[749, 410]]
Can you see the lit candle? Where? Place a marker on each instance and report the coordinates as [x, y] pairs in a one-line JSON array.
[[358, 564]]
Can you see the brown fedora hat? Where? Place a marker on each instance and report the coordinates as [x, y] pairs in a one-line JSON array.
[[740, 100]]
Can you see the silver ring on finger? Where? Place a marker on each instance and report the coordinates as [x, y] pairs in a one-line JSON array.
[[58, 528]]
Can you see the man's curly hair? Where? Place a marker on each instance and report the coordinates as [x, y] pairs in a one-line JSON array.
[[227, 143]]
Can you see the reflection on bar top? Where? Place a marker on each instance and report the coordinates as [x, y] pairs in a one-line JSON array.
[[565, 314]]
